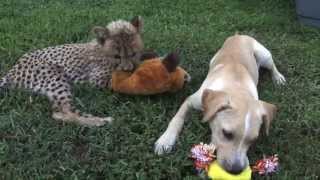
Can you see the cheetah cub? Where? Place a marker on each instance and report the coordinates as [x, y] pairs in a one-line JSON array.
[[52, 71]]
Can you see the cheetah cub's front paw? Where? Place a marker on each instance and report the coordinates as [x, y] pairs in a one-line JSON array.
[[125, 67], [100, 121], [96, 121], [85, 119]]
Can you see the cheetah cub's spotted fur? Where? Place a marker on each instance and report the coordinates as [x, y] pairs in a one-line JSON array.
[[52, 71]]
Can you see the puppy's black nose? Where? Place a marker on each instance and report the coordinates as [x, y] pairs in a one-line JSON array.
[[236, 168]]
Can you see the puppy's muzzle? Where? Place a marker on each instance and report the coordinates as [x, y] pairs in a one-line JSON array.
[[236, 163], [235, 168]]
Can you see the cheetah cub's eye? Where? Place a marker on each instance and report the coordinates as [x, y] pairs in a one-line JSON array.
[[117, 56]]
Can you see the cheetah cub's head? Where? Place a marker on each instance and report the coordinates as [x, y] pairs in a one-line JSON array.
[[122, 40]]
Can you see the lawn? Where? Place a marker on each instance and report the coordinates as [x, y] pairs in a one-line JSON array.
[[33, 146]]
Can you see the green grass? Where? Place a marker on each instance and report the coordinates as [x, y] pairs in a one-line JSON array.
[[33, 146]]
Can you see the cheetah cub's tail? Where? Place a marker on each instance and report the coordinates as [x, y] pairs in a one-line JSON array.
[[3, 82]]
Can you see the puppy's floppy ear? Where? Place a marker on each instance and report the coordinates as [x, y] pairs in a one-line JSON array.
[[213, 102], [137, 22], [101, 34], [171, 61], [268, 113]]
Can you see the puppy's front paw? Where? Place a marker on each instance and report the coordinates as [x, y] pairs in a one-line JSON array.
[[279, 79], [165, 143]]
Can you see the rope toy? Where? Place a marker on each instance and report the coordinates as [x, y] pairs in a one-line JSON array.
[[267, 165], [203, 155]]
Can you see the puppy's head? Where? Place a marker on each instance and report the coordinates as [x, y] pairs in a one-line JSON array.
[[235, 123]]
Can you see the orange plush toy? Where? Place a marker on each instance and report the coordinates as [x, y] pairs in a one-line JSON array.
[[153, 76]]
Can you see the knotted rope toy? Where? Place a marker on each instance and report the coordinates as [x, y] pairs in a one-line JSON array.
[[204, 162], [203, 155], [267, 165]]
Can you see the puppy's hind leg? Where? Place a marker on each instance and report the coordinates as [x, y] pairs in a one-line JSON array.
[[264, 59], [167, 140]]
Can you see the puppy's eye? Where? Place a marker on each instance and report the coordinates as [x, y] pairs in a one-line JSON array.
[[133, 54], [228, 135], [117, 56]]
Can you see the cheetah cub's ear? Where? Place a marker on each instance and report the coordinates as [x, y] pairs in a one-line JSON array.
[[137, 22], [101, 34]]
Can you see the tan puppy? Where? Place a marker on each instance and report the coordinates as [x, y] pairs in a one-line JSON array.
[[229, 100]]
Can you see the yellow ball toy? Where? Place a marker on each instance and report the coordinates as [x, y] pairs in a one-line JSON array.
[[216, 172]]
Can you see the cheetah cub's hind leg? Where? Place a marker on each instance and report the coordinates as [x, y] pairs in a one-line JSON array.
[[56, 87]]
